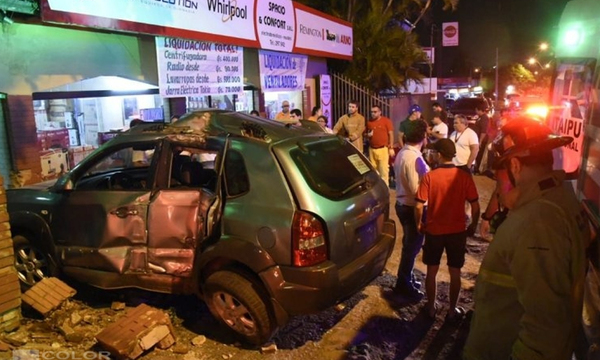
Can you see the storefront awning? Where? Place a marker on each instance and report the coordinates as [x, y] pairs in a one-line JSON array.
[[101, 86]]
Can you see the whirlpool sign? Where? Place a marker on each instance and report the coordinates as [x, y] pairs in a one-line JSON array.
[[281, 25]]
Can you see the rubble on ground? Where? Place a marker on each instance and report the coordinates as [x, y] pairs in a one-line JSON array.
[[138, 331]]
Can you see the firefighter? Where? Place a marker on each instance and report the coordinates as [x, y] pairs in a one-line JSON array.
[[529, 292]]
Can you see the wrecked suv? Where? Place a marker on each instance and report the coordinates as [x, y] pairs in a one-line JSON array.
[[262, 220]]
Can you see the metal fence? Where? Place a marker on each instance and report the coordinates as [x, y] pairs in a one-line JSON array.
[[344, 90]]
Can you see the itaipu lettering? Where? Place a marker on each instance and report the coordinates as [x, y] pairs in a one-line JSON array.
[[276, 61], [281, 81], [229, 11], [310, 31]]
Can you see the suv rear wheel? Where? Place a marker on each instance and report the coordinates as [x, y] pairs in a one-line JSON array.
[[31, 263], [236, 302]]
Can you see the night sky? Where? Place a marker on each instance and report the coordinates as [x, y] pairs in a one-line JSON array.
[[516, 27]]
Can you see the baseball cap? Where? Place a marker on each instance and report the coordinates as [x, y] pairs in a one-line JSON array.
[[445, 147], [413, 108]]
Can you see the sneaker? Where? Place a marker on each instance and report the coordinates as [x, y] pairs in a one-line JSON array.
[[456, 315], [412, 295]]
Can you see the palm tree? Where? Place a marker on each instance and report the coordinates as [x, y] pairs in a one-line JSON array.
[[384, 54]]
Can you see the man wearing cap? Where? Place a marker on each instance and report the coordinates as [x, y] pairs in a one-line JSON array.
[[351, 125], [414, 113], [529, 292], [284, 114], [409, 168], [445, 190]]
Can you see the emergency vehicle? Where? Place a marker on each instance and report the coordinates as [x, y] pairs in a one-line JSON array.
[[575, 112]]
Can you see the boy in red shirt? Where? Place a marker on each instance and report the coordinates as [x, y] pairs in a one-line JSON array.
[[445, 190]]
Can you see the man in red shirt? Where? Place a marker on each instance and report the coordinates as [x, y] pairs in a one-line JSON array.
[[381, 142], [445, 190]]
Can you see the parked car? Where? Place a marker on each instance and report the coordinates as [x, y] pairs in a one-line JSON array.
[[466, 106], [261, 220]]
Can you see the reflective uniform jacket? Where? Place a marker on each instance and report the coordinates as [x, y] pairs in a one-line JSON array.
[[529, 290]]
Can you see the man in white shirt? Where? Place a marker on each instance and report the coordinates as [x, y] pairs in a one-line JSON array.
[[409, 168], [467, 143], [439, 129]]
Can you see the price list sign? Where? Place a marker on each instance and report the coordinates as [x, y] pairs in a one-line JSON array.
[[197, 68]]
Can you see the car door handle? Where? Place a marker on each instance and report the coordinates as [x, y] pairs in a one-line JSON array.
[[123, 212]]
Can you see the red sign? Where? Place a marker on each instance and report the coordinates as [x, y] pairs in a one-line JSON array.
[[450, 31]]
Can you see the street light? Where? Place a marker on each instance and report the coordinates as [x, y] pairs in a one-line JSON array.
[[544, 46], [533, 61]]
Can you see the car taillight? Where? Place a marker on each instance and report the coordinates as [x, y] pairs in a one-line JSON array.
[[308, 240]]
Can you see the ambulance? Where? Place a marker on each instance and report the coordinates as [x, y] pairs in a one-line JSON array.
[[575, 112]]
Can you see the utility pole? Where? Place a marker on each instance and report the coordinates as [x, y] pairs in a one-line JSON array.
[[431, 95], [496, 90]]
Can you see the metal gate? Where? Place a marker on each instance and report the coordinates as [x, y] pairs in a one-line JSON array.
[[345, 90]]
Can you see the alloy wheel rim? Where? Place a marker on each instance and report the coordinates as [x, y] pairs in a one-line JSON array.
[[234, 313], [31, 265]]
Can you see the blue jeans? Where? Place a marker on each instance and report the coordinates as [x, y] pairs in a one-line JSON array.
[[412, 241]]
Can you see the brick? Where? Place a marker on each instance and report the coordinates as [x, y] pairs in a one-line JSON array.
[[7, 261], [48, 295], [11, 305], [6, 243], [139, 330], [7, 252]]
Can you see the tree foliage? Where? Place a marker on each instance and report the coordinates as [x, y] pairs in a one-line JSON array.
[[384, 53]]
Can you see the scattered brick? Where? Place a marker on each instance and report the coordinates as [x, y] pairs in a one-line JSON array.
[[199, 340], [48, 295], [269, 348], [139, 330], [117, 306], [75, 318], [4, 346]]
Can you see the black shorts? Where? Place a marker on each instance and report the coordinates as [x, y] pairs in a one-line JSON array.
[[454, 244]]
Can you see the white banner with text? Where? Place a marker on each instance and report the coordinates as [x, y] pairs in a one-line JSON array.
[[282, 71], [280, 25], [197, 68]]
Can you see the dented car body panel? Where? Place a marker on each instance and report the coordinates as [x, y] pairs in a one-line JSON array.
[[164, 207]]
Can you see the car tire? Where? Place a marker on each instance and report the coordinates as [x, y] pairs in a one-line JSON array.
[[32, 263], [237, 302]]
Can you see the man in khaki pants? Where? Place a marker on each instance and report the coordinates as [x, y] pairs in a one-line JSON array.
[[381, 142]]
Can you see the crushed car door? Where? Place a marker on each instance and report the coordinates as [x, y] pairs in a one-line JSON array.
[[101, 225], [178, 210]]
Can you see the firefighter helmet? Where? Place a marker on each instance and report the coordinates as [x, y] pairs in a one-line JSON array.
[[524, 136]]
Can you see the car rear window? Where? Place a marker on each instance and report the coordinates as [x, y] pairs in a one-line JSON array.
[[334, 168]]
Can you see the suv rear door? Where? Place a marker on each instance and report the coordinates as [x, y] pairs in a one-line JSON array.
[[334, 181]]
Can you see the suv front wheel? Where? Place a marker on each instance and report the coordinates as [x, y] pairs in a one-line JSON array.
[[236, 302], [31, 263]]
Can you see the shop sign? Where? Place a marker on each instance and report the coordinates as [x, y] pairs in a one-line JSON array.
[[281, 71], [450, 34], [197, 68], [275, 24], [325, 95], [314, 32], [280, 25]]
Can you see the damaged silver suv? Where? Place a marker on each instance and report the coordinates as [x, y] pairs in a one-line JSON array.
[[262, 220]]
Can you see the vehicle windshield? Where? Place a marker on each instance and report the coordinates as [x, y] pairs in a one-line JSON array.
[[343, 174]]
